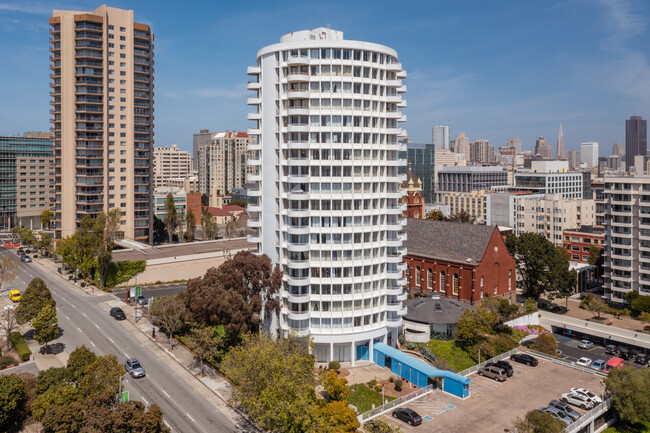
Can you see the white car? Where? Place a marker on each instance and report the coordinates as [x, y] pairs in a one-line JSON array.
[[584, 362], [593, 397], [577, 399], [585, 344]]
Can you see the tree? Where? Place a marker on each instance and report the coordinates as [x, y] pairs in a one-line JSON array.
[[237, 294], [545, 343], [46, 325], [171, 216], [35, 298], [158, 230], [543, 270], [436, 215], [12, 399], [240, 203], [538, 422], [463, 217], [563, 252], [169, 312], [378, 425], [231, 229], [106, 228], [9, 321], [210, 228], [207, 344], [190, 222], [46, 217], [8, 270], [630, 397], [78, 362], [274, 381], [60, 394], [475, 325], [597, 258], [205, 200], [335, 387], [335, 417], [596, 305], [102, 376], [641, 304]]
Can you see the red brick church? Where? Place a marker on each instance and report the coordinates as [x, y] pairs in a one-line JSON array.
[[413, 197]]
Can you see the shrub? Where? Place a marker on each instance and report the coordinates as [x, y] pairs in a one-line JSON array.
[[531, 305], [20, 345], [378, 388], [398, 384], [410, 345], [334, 365], [427, 354], [391, 379], [401, 338], [7, 361], [372, 383], [586, 300]]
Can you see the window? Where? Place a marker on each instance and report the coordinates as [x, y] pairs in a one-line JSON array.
[[429, 279], [509, 279], [417, 276], [454, 282], [443, 282]]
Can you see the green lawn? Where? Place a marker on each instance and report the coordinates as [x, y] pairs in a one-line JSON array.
[[639, 428], [453, 355], [362, 397]]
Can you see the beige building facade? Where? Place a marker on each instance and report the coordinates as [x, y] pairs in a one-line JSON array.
[[170, 162], [33, 177], [102, 118], [471, 202], [222, 162]]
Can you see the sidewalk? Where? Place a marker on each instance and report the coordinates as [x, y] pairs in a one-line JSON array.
[[575, 311]]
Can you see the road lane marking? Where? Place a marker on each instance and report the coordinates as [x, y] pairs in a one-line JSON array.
[[96, 325], [78, 329], [145, 400], [73, 306], [165, 392], [63, 298], [92, 343], [67, 317], [111, 340], [125, 354], [168, 426], [188, 415], [84, 314]]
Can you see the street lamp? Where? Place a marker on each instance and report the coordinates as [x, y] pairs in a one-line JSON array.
[[119, 396]]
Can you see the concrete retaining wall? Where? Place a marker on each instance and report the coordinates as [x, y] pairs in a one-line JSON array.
[[529, 319]]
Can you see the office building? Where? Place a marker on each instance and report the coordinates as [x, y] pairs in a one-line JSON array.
[[542, 149], [422, 160], [222, 162], [440, 137], [26, 164], [618, 149], [461, 146], [467, 179], [180, 201], [636, 139], [189, 184], [169, 163], [514, 142], [473, 203], [569, 184], [102, 118], [573, 156], [329, 212], [560, 153], [482, 152], [589, 154], [501, 207], [627, 236]]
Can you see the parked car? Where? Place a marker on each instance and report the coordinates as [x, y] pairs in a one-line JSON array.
[[574, 415], [557, 413], [141, 300], [117, 313], [587, 393], [407, 415], [504, 365], [583, 362], [133, 367], [641, 359], [577, 399], [625, 354], [528, 343], [14, 295], [25, 259], [613, 363], [495, 373], [585, 344], [524, 358], [598, 364], [611, 349]]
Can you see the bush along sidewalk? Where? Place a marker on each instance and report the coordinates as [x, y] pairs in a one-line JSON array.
[[20, 345]]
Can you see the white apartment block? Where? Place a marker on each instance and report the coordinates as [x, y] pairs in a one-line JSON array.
[[550, 215], [589, 154], [440, 137], [627, 236], [222, 162], [329, 211], [170, 163]]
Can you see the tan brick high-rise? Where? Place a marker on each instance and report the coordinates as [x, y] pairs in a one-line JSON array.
[[102, 117]]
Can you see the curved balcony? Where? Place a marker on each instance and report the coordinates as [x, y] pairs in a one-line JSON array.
[[402, 297], [392, 322], [297, 144], [254, 239], [252, 207], [254, 162], [298, 248], [253, 85], [254, 116], [394, 258], [254, 100], [254, 177], [254, 131], [403, 266], [394, 290], [298, 315], [402, 89], [393, 306], [297, 195], [253, 70], [298, 298], [295, 78], [401, 75], [297, 281], [395, 67], [298, 178], [402, 281], [297, 111], [298, 213], [298, 94], [403, 311], [298, 127], [300, 60]]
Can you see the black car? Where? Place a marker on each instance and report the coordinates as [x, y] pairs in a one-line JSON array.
[[118, 313], [528, 343], [611, 349], [407, 415], [641, 359], [524, 358], [625, 354], [504, 365]]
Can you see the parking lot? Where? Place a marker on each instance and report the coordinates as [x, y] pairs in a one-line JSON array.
[[570, 351], [494, 406]]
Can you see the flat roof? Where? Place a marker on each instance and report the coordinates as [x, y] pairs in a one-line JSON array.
[[184, 249]]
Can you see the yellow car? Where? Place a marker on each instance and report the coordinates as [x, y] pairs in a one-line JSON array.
[[14, 295]]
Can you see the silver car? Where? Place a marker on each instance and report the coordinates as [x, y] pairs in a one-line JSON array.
[[574, 415], [495, 373], [558, 414], [585, 344], [133, 367]]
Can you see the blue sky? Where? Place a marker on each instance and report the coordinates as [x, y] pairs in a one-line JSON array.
[[492, 69]]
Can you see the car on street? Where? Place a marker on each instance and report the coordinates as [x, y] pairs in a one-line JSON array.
[[407, 415], [583, 362], [577, 399], [585, 344], [20, 252], [495, 373], [14, 295], [524, 358], [504, 365], [117, 313], [141, 300], [558, 414], [598, 364], [587, 393], [611, 349], [574, 415], [641, 359], [133, 367], [25, 259]]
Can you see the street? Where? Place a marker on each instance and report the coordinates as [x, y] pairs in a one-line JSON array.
[[83, 321]]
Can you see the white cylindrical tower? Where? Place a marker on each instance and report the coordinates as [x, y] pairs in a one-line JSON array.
[[329, 210]]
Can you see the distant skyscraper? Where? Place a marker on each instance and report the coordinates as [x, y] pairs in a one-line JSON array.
[[636, 139], [461, 145], [202, 138], [514, 142], [559, 153], [573, 156], [482, 152], [422, 160], [589, 153], [170, 162], [543, 149], [440, 137], [618, 149]]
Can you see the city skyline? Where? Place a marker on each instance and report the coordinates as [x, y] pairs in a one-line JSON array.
[[594, 76]]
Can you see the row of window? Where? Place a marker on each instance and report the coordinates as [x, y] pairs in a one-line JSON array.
[[340, 53], [454, 281]]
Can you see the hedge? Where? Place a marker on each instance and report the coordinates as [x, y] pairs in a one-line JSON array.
[[20, 345], [122, 271], [7, 361]]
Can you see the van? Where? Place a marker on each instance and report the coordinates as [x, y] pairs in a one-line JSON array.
[[14, 295], [493, 373], [613, 363]]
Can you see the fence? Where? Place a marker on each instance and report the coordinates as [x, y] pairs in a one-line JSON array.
[[394, 403], [568, 364], [590, 417], [477, 367]]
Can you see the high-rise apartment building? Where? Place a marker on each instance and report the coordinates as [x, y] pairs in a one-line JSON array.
[[202, 138], [170, 162], [559, 152], [440, 137], [222, 162], [102, 118], [514, 142], [627, 236], [636, 139], [573, 156], [589, 153], [461, 145], [25, 179], [482, 152], [542, 149], [329, 214]]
